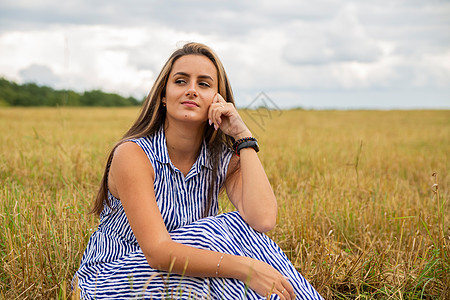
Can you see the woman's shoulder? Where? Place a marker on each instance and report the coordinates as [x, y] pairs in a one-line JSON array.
[[128, 156], [138, 150], [128, 148], [154, 145], [146, 143]]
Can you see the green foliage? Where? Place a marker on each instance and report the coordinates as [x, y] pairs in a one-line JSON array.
[[30, 94]]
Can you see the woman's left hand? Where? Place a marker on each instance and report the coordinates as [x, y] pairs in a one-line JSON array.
[[225, 116]]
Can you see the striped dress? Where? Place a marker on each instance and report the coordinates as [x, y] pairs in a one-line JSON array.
[[114, 267]]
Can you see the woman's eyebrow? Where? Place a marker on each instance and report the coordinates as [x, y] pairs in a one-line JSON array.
[[187, 75]]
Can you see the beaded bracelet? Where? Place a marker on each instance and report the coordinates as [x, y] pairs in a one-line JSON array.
[[218, 265], [245, 143]]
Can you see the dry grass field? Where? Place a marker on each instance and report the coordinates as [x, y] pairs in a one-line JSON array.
[[360, 213]]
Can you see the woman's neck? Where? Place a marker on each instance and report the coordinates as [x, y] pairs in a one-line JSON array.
[[183, 144]]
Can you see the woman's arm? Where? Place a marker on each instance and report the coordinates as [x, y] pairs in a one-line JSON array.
[[247, 185], [250, 192], [131, 180]]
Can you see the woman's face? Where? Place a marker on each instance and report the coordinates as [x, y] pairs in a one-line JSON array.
[[190, 89]]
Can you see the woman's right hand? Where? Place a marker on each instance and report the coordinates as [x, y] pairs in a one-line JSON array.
[[265, 280]]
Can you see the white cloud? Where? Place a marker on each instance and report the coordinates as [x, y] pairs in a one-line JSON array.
[[41, 75], [90, 57], [285, 47], [340, 39]]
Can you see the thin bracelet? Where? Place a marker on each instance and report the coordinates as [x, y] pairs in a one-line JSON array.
[[218, 265]]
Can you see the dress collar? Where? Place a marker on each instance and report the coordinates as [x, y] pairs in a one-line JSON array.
[[162, 154]]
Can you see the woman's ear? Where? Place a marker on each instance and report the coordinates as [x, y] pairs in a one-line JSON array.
[[163, 100]]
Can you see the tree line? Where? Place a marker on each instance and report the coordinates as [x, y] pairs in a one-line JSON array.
[[30, 94]]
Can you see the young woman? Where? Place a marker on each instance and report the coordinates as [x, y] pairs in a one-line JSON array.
[[159, 234]]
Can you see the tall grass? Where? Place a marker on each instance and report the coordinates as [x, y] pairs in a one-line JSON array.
[[361, 214]]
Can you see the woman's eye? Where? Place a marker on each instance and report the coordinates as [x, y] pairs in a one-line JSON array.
[[204, 84], [180, 81]]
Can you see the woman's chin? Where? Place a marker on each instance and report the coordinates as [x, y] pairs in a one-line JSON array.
[[190, 118]]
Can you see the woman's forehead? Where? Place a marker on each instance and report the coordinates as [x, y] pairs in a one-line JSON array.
[[195, 65]]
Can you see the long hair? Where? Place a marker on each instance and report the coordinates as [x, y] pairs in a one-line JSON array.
[[152, 116]]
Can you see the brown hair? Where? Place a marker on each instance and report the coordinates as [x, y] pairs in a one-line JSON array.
[[152, 116]]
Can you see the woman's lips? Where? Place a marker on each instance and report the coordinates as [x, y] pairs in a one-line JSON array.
[[190, 103]]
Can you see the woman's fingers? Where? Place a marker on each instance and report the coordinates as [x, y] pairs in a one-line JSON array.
[[219, 98], [211, 109], [288, 291], [266, 281], [284, 290], [284, 295], [214, 115], [221, 109], [212, 112], [224, 115], [217, 109]]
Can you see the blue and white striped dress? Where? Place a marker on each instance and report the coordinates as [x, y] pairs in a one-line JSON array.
[[114, 267]]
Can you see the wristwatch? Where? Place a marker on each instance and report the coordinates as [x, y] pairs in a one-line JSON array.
[[245, 143]]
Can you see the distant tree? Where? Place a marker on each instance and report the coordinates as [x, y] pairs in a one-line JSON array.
[[8, 91], [99, 98], [30, 94]]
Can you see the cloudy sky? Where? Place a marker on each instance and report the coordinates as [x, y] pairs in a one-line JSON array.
[[315, 54]]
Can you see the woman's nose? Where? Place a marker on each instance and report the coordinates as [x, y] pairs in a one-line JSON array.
[[191, 92]]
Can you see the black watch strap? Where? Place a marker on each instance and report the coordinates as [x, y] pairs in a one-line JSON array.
[[247, 144]]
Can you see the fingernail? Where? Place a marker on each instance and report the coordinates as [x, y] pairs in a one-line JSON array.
[[215, 127], [210, 122]]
